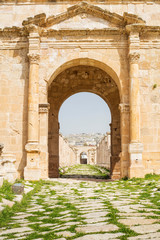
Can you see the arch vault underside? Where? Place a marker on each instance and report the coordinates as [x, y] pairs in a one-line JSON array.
[[83, 79]]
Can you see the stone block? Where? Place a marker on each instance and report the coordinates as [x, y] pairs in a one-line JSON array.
[[18, 188], [32, 174]]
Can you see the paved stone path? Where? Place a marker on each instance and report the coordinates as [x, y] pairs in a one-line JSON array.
[[72, 209]]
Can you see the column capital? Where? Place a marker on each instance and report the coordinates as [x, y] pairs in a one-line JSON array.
[[124, 108], [34, 58], [134, 57], [44, 107]]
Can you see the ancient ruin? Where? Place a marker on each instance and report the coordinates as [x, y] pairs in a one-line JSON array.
[[52, 50], [70, 155]]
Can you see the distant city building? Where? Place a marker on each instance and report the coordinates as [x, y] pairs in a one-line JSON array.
[[84, 139]]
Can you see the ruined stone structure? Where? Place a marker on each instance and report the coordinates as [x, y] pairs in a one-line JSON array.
[[103, 151], [90, 153], [51, 50], [67, 154], [71, 155], [7, 167], [94, 155]]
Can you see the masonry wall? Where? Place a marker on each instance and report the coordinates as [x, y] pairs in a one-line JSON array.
[[90, 152], [14, 75], [13, 102], [67, 155], [150, 106], [103, 152]]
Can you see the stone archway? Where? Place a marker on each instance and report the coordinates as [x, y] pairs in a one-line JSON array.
[[83, 78], [83, 158]]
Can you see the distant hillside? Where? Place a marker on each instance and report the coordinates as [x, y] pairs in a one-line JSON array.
[[81, 139]]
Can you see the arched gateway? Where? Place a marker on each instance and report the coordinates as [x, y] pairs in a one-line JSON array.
[[79, 79], [84, 47]]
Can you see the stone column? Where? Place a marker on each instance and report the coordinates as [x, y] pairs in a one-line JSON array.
[[124, 155], [53, 143], [115, 159], [135, 146], [134, 98], [43, 115], [32, 170]]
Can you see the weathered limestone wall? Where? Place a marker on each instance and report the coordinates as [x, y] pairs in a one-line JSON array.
[[67, 154], [60, 50], [13, 101], [7, 167], [103, 151], [150, 106]]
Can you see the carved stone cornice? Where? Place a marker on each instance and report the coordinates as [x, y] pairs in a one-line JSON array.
[[134, 28], [44, 107], [83, 7], [124, 108], [40, 24], [132, 19], [12, 31], [82, 32], [134, 57], [34, 58]]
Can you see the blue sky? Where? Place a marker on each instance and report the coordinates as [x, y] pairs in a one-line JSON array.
[[84, 113]]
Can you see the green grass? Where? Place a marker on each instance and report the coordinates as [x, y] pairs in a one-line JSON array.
[[113, 219], [7, 212], [135, 190], [85, 169], [152, 177], [6, 191]]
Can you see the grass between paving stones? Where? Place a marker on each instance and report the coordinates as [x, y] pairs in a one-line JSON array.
[[113, 219], [146, 189], [62, 205], [76, 192], [85, 169], [6, 191], [7, 212], [151, 192]]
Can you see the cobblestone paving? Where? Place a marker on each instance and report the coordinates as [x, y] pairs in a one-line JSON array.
[[72, 209]]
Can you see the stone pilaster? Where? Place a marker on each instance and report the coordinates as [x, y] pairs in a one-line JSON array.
[[134, 98], [115, 159], [43, 117], [32, 170], [124, 155], [135, 147]]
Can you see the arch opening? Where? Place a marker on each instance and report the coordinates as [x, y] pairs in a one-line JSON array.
[[84, 124], [83, 78], [83, 158]]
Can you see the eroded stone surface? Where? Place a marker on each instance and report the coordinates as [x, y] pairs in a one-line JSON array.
[[146, 228], [155, 236], [136, 221], [97, 228], [66, 234], [100, 236], [70, 210]]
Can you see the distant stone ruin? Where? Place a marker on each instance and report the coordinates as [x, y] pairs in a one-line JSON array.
[[95, 155]]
